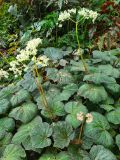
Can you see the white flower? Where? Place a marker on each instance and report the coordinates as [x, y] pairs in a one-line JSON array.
[[64, 16], [60, 25], [16, 68], [42, 60], [66, 1], [3, 74], [72, 11], [80, 116], [89, 118], [23, 56], [32, 44], [84, 12], [88, 14], [30, 50]]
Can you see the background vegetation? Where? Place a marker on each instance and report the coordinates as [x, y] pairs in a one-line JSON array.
[[59, 80]]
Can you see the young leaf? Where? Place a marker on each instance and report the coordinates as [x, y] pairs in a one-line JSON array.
[[93, 92], [25, 113], [72, 108], [98, 130], [63, 134]]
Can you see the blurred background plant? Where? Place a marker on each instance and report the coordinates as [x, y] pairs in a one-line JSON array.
[[23, 20]]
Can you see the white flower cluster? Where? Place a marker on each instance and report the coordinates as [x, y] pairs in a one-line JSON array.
[[66, 1], [66, 15], [84, 12], [3, 74], [88, 117], [31, 49], [88, 14], [27, 54], [42, 61], [15, 66]]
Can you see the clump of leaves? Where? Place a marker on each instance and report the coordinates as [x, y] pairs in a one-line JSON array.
[[26, 125]]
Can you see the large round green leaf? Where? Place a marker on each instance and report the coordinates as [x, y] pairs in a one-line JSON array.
[[40, 135], [25, 112], [13, 152], [72, 108], [24, 131], [114, 116], [101, 153], [98, 130], [93, 92], [63, 134]]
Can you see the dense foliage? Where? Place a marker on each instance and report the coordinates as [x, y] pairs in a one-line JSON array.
[[60, 80], [69, 90]]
